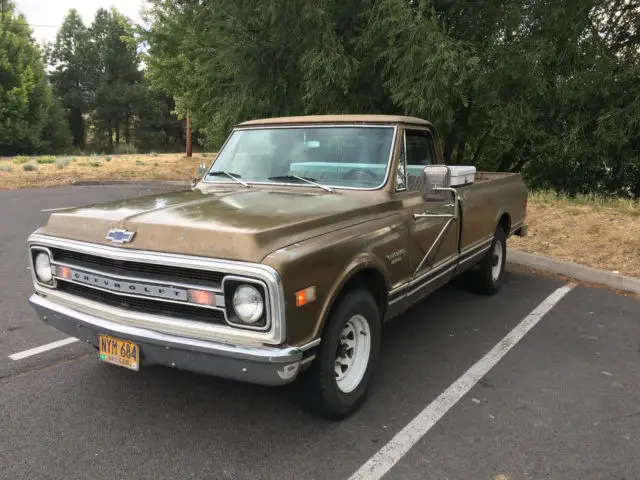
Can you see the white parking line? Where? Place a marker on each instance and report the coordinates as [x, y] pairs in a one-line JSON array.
[[398, 446], [42, 348]]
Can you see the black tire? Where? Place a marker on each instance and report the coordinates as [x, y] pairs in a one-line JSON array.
[[482, 280], [318, 389]]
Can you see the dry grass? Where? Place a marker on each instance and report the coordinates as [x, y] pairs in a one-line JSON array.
[[53, 172], [596, 232], [593, 231]]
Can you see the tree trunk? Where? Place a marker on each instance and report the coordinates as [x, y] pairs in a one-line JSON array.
[[127, 129], [480, 146], [117, 134], [461, 146], [449, 143], [110, 139], [458, 133], [76, 123], [505, 162], [188, 136]]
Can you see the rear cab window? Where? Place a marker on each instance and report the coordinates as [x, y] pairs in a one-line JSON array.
[[417, 152]]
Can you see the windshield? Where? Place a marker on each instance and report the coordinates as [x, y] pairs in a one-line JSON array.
[[340, 156]]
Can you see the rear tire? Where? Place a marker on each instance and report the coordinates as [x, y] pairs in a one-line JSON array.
[[488, 278], [338, 381]]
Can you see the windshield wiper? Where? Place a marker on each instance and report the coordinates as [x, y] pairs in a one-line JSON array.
[[303, 179], [233, 176]]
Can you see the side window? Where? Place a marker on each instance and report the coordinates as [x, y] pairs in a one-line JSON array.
[[419, 153]]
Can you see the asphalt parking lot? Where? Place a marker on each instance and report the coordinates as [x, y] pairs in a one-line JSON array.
[[562, 403]]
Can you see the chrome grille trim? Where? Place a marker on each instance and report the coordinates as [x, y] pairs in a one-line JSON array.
[[143, 280], [276, 333]]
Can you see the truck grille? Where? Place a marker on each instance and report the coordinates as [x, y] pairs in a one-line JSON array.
[[159, 273], [110, 274], [143, 305]]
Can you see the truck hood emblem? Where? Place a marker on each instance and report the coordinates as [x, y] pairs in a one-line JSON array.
[[117, 235]]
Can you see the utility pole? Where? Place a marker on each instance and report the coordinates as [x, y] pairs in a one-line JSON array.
[[188, 136]]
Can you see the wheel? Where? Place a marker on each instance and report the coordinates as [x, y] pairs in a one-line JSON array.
[[338, 381], [488, 278]]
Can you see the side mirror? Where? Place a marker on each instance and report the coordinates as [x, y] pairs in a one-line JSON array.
[[202, 169], [436, 183]]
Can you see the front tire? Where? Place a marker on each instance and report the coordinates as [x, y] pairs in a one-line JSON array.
[[338, 381]]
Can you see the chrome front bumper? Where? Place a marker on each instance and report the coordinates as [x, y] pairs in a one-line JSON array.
[[261, 365]]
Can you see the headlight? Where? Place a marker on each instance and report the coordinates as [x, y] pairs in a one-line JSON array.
[[248, 304], [43, 267]]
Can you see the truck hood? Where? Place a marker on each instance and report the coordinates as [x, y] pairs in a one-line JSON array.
[[245, 224]]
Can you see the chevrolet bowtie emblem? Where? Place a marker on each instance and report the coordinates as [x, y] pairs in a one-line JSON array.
[[117, 235]]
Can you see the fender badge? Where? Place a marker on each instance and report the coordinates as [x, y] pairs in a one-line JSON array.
[[117, 235]]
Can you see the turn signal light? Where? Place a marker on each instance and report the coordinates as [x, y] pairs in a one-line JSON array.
[[305, 296], [64, 272], [202, 297]]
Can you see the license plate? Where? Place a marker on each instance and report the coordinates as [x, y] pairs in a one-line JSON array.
[[119, 352]]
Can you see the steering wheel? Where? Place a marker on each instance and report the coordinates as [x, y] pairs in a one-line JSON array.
[[362, 170]]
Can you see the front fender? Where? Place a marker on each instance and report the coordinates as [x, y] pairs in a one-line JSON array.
[[327, 262], [361, 262]]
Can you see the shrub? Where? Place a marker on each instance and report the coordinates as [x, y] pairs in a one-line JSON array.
[[94, 164], [20, 159], [62, 162], [107, 159], [139, 162], [126, 149], [6, 168], [46, 159], [153, 154], [29, 167]]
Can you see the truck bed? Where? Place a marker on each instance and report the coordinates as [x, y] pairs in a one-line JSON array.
[[483, 177]]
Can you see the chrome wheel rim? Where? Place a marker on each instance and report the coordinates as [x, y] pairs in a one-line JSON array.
[[496, 266], [352, 353]]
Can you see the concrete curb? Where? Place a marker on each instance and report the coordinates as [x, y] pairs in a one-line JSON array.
[[575, 271], [180, 183]]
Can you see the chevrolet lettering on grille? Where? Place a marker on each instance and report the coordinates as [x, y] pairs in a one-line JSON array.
[[128, 287]]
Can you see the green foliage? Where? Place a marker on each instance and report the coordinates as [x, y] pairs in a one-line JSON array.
[[140, 163], [98, 77], [6, 167], [549, 89], [30, 167], [56, 136], [46, 160], [72, 60], [20, 159], [94, 164], [62, 162], [107, 159], [25, 96]]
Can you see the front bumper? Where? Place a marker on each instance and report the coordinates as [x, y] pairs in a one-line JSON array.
[[261, 365]]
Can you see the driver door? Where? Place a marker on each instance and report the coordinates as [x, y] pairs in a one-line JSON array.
[[433, 241]]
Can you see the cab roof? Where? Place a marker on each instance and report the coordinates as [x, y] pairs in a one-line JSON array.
[[324, 119]]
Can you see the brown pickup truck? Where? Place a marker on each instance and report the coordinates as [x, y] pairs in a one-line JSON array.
[[281, 262]]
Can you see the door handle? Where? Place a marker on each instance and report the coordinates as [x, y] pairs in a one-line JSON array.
[[428, 214]]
